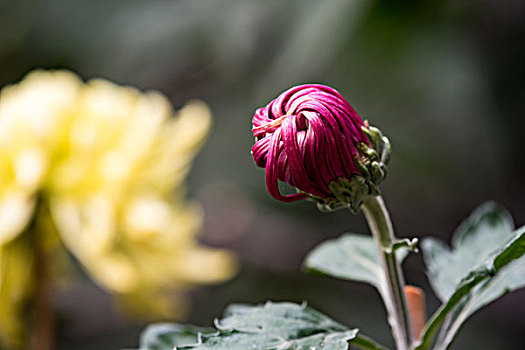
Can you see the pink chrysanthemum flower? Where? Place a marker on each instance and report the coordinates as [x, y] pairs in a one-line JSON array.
[[311, 138]]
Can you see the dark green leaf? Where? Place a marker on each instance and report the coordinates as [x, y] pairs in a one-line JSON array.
[[475, 240], [277, 326], [487, 262]]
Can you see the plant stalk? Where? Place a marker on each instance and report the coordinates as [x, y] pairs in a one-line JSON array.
[[42, 331], [396, 303]]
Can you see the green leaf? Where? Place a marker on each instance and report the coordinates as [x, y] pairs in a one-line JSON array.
[[486, 230], [351, 257], [487, 262], [272, 326], [169, 335], [356, 258]]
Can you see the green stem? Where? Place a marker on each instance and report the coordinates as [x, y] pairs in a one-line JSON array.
[[379, 222]]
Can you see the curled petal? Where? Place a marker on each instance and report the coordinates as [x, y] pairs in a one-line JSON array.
[[308, 137]]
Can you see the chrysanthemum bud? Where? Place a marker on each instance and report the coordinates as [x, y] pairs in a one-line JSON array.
[[311, 138]]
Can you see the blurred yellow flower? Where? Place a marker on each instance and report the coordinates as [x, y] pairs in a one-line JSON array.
[[106, 164]]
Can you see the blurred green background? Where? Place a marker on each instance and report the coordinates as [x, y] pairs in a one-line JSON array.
[[445, 80]]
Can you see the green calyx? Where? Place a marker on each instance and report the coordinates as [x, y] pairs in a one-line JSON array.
[[350, 193], [372, 160]]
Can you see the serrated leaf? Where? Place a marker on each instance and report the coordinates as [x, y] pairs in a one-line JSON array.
[[169, 335], [272, 326], [486, 230], [493, 264], [323, 341], [356, 258]]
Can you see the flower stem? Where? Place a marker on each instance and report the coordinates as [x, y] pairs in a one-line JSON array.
[[42, 317], [395, 299], [42, 331]]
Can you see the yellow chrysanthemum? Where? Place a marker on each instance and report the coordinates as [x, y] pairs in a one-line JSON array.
[[107, 163]]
